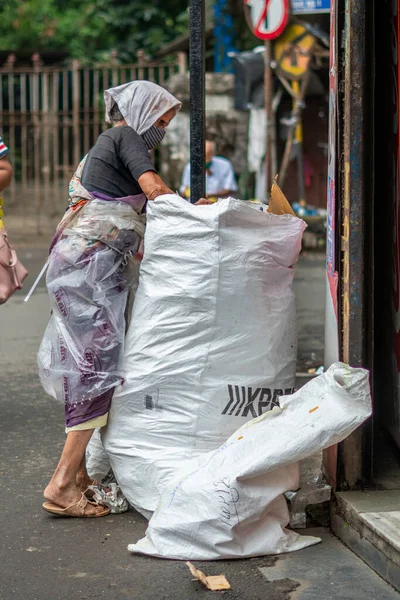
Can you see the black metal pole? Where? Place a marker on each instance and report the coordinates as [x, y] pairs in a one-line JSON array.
[[197, 99], [268, 117]]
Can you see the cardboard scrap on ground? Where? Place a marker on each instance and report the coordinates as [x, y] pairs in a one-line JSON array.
[[212, 582], [278, 204]]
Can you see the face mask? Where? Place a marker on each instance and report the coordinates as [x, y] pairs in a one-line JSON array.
[[153, 136]]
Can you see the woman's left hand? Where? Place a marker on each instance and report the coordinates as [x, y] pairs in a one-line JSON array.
[[203, 201]]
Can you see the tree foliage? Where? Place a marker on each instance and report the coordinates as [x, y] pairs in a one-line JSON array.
[[91, 29], [244, 37]]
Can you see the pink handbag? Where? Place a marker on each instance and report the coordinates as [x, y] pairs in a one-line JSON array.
[[12, 271]]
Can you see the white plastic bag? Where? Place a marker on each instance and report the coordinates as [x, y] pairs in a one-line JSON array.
[[97, 462], [229, 503], [212, 339]]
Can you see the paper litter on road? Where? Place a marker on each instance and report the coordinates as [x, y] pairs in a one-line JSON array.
[[212, 582]]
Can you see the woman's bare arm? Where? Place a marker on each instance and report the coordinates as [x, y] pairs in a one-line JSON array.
[[5, 173], [152, 185]]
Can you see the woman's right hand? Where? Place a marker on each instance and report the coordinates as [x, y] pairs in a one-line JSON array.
[[152, 185]]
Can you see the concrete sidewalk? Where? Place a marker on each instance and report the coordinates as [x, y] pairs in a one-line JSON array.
[[309, 287], [45, 558]]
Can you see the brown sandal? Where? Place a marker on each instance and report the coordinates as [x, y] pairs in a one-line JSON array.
[[89, 493], [76, 509]]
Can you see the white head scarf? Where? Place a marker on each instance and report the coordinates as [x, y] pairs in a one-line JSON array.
[[141, 103]]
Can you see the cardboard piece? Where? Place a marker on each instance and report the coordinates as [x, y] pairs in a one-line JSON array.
[[278, 204], [212, 582]]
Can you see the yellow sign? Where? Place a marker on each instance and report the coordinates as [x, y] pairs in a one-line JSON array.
[[293, 50]]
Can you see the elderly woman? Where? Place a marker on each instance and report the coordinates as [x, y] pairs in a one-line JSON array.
[[88, 278]]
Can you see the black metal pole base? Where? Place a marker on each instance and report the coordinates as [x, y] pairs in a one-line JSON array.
[[197, 99]]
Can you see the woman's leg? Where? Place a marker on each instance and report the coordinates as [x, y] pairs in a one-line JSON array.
[[62, 488], [82, 478], [73, 280]]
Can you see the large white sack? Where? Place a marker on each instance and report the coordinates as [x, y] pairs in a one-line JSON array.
[[97, 462], [212, 339], [228, 503]]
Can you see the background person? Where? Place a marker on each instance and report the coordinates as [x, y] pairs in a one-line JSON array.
[[5, 167], [220, 176], [5, 175]]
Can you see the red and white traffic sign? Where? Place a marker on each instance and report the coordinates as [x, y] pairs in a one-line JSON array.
[[269, 17]]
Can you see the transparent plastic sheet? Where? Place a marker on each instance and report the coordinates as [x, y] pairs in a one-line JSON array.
[[88, 283], [105, 221]]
